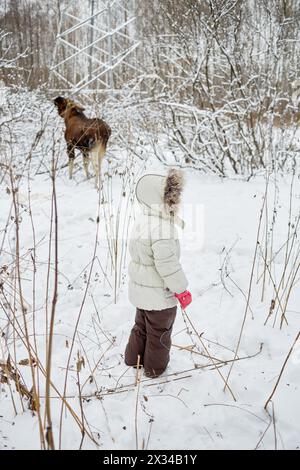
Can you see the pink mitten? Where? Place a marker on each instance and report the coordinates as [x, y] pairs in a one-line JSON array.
[[185, 298]]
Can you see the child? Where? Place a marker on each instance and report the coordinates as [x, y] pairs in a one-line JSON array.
[[156, 276]]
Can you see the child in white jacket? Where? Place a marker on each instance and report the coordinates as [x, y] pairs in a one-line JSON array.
[[157, 280]]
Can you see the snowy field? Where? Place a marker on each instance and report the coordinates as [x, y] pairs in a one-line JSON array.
[[187, 407], [211, 87]]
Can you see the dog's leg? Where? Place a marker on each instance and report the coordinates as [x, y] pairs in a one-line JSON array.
[[86, 162], [94, 159], [71, 155], [97, 154], [100, 155]]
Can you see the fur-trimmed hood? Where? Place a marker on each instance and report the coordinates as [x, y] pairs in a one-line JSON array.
[[161, 194]]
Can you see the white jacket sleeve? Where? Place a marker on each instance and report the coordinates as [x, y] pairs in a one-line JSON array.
[[168, 265]]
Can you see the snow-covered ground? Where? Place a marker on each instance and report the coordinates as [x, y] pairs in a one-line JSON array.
[[186, 408]]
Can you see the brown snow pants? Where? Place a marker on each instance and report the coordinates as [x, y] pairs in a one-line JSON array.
[[150, 339]]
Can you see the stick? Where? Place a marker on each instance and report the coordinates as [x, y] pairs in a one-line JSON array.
[[250, 284], [137, 377], [212, 360], [282, 370], [138, 382]]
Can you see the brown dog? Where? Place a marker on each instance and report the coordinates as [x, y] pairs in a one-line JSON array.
[[89, 135]]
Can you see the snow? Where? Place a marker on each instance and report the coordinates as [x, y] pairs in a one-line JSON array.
[[186, 408]]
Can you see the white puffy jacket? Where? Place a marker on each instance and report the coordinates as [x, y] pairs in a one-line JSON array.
[[155, 271]]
